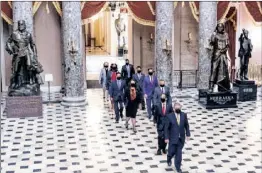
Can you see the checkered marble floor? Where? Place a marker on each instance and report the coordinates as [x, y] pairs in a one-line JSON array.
[[86, 140]]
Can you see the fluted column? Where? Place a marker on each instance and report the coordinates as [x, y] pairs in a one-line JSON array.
[[22, 10], [207, 25], [72, 40], [163, 29]]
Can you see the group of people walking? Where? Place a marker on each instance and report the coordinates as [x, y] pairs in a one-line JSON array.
[[129, 90]]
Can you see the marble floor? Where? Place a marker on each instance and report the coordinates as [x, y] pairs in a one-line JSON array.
[[86, 140]]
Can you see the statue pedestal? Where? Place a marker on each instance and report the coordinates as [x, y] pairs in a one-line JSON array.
[[218, 100], [120, 52], [247, 90], [24, 106]]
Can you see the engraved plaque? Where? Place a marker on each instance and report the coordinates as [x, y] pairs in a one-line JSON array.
[[21, 107]]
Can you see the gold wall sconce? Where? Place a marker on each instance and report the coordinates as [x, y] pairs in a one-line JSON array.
[[167, 47], [151, 40]]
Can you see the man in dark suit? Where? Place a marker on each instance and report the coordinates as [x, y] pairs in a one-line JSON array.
[[117, 91], [162, 109], [139, 78], [127, 72], [162, 89], [176, 129], [149, 85]]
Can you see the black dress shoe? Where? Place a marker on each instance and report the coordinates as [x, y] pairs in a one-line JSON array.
[[117, 121], [169, 163], [179, 171], [164, 151], [158, 152]]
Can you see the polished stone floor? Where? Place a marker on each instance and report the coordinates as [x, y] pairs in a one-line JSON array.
[[86, 140]]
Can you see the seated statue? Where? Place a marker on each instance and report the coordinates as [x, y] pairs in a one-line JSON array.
[[25, 78]]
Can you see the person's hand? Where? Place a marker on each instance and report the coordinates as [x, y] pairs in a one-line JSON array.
[[187, 138], [166, 141], [145, 96], [111, 98]]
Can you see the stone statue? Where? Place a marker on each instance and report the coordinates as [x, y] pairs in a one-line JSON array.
[[120, 28], [244, 54], [25, 78], [219, 45]]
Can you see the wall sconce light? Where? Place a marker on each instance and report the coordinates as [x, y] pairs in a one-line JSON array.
[[167, 47], [189, 40], [72, 50], [151, 40]]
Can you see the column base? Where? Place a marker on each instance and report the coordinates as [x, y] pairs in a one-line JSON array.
[[74, 101]]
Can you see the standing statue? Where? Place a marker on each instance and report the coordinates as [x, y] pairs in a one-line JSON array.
[[244, 54], [219, 45], [120, 28], [25, 78]]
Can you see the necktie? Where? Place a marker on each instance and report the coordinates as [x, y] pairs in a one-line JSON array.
[[162, 89], [163, 109], [151, 79], [128, 71], [178, 118], [139, 76]]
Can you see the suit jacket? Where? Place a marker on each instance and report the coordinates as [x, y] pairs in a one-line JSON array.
[[149, 87], [159, 113], [103, 77], [158, 93], [139, 81], [116, 93], [173, 131], [124, 72]]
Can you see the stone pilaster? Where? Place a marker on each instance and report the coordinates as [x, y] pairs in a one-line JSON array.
[[72, 37], [22, 10], [163, 32], [207, 25]]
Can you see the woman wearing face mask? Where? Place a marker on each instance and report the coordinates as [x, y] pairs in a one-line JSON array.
[[133, 98], [111, 78]]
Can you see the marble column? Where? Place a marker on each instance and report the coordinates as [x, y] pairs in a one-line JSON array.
[[163, 32], [207, 25], [22, 10], [1, 52], [72, 47]]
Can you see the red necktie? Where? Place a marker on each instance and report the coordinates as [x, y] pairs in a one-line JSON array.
[[163, 109]]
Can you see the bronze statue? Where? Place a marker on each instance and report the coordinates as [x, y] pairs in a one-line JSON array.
[[120, 28], [219, 61], [244, 54], [25, 78]]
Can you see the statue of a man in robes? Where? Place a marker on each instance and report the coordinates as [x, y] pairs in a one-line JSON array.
[[219, 44], [25, 78], [120, 29], [244, 54]]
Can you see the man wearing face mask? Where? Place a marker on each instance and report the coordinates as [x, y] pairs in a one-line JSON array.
[[162, 109], [162, 89], [127, 72], [103, 79], [139, 79], [149, 85], [176, 130], [117, 91]]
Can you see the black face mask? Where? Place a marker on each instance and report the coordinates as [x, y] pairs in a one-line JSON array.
[[177, 111], [133, 84], [138, 71], [114, 68], [118, 78], [163, 100], [127, 63], [106, 66], [162, 85], [150, 73]]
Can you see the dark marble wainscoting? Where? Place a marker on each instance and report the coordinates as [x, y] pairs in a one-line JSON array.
[[93, 84]]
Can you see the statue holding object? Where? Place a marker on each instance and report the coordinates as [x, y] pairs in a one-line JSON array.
[[244, 54], [25, 78], [219, 44]]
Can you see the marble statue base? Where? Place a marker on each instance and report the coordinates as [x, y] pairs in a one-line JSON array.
[[24, 106], [217, 100], [74, 101], [247, 90]]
